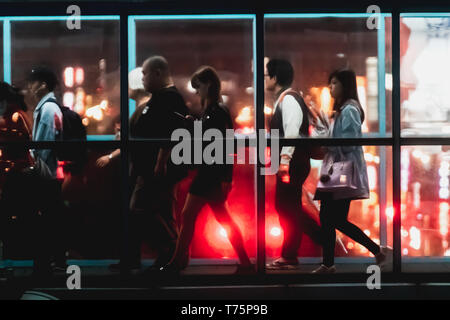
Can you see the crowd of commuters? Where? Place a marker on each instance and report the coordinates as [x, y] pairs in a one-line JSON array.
[[161, 109]]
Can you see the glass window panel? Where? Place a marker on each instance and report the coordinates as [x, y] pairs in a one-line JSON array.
[[86, 62], [316, 45], [425, 207], [210, 244], [373, 216], [424, 68], [187, 44]]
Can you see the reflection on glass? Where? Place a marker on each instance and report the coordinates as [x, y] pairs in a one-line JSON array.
[[425, 201], [424, 69], [86, 63], [187, 44], [317, 46]]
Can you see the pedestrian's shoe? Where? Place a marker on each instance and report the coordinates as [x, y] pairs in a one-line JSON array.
[[283, 264], [323, 269], [170, 268], [384, 257]]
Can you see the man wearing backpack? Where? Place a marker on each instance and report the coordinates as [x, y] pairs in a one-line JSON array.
[[47, 116], [291, 118], [47, 126]]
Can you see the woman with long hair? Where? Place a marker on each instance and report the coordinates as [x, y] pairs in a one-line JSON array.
[[212, 182], [347, 119]]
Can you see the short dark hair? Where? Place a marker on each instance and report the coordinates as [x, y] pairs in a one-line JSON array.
[[282, 69], [44, 74]]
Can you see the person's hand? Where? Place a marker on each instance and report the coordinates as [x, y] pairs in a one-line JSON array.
[[103, 161], [160, 169], [226, 187]]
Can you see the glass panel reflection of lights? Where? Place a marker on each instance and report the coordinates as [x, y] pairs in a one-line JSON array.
[[424, 81], [363, 213], [316, 46], [187, 44], [76, 217], [86, 62], [425, 177]]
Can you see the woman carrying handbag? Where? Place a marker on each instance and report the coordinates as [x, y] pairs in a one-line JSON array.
[[343, 175]]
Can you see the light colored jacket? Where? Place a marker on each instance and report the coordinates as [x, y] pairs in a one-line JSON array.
[[348, 125], [47, 126]]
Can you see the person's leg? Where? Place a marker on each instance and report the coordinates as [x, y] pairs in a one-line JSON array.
[[287, 201], [166, 243], [192, 208], [136, 221], [310, 226], [222, 215], [327, 209], [351, 230]]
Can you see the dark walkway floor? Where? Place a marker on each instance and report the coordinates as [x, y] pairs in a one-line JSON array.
[[205, 280]]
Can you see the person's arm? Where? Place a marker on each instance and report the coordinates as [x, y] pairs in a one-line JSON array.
[[292, 121], [351, 128], [50, 121], [106, 160], [161, 162]]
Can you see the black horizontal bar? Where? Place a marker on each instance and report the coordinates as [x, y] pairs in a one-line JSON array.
[[58, 144], [434, 141], [420, 141]]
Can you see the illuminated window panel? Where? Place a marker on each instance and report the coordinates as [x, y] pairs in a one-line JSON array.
[[86, 62], [224, 42], [211, 244], [317, 44], [373, 216], [424, 67], [425, 175]]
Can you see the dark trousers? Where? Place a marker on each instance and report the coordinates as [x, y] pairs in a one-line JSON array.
[[333, 215], [152, 219], [294, 219]]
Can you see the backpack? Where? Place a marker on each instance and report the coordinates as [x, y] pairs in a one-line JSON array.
[[73, 130], [317, 124]]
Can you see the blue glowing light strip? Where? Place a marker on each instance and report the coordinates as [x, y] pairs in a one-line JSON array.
[[131, 55], [194, 17], [62, 18], [322, 15], [425, 15], [100, 137], [6, 50]]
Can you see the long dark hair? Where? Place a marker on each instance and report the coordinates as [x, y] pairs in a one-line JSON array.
[[347, 78], [207, 74], [12, 96]]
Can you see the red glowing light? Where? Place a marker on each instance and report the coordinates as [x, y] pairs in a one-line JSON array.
[[286, 178], [223, 233], [60, 170], [275, 231]]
